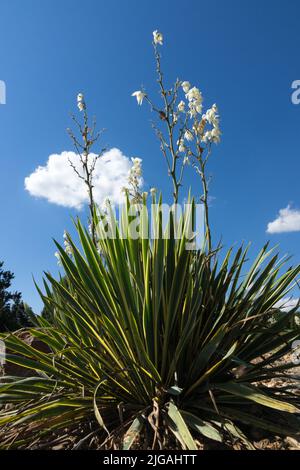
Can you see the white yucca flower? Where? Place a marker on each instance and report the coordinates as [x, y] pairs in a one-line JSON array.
[[181, 146], [140, 95], [194, 94], [157, 37], [181, 106], [216, 135], [188, 135], [57, 256], [186, 86], [68, 247], [80, 102]]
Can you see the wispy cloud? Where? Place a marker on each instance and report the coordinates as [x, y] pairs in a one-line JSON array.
[[288, 220], [58, 183]]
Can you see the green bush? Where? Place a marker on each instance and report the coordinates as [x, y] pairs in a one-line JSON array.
[[14, 313], [153, 343]]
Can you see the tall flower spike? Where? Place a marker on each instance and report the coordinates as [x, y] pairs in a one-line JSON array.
[[134, 180]]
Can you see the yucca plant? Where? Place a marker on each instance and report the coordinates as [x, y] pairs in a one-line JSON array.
[[153, 344]]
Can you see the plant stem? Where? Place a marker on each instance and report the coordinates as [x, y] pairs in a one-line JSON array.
[[205, 203], [167, 113], [87, 163]]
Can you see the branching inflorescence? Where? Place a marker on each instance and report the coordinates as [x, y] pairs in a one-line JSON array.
[[186, 134]]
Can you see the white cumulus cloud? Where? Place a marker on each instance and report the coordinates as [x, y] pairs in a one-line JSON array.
[[58, 183], [288, 220]]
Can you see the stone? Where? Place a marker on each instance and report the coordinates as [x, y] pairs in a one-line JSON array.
[[17, 370]]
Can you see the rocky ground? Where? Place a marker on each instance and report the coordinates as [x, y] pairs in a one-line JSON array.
[[261, 441]]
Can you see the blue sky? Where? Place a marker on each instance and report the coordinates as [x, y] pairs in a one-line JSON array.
[[243, 55]]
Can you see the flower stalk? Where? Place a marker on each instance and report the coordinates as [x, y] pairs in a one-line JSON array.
[[187, 135], [89, 137]]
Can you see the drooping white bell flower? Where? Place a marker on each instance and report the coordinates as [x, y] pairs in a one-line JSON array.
[[140, 95], [188, 135], [80, 102], [158, 37], [181, 146], [186, 86], [216, 135], [207, 137], [198, 107], [194, 94], [57, 256], [181, 106], [136, 161], [211, 115], [136, 169], [68, 247]]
